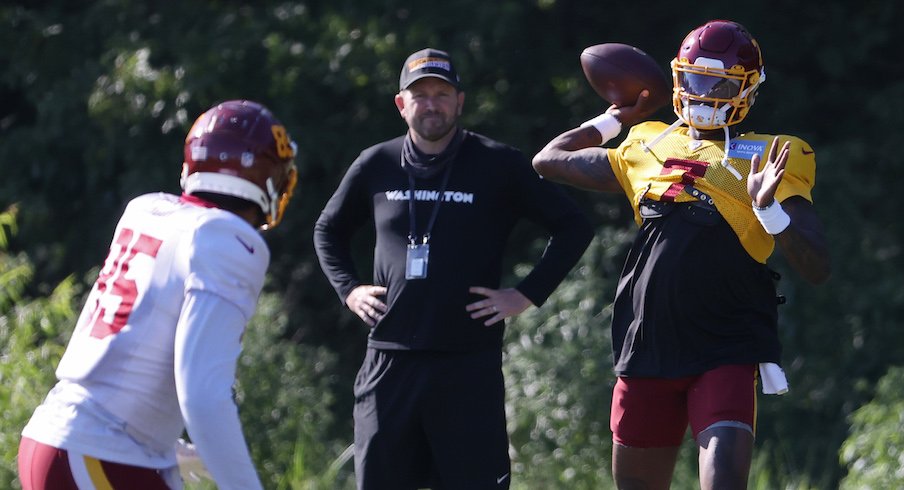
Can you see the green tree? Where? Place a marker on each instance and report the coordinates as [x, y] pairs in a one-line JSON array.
[[873, 452], [97, 97]]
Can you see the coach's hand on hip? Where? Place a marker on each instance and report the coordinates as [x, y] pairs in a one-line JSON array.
[[363, 302], [498, 305]]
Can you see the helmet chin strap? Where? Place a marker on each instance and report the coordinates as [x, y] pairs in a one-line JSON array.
[[675, 125], [274, 199], [724, 109], [725, 162]]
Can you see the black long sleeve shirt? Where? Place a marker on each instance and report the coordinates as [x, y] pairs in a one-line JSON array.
[[491, 187]]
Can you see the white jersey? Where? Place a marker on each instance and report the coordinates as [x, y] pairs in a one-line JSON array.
[[155, 347]]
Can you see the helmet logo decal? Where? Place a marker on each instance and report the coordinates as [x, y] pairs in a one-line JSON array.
[[709, 62], [247, 159]]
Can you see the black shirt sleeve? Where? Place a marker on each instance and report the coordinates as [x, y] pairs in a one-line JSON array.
[[344, 213], [570, 232]]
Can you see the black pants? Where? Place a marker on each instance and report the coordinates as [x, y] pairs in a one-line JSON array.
[[428, 419]]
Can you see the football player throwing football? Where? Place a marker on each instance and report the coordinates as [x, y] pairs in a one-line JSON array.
[[695, 319]]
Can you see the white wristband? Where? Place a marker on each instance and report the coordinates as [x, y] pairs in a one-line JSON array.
[[773, 218], [606, 124]]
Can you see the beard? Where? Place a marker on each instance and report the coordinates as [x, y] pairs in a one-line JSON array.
[[434, 126]]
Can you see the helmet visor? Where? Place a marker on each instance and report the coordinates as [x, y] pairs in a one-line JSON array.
[[709, 86]]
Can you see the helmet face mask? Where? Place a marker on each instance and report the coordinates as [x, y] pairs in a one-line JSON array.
[[238, 148], [716, 75], [280, 196]]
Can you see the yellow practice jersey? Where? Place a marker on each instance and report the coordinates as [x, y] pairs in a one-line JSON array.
[[680, 169]]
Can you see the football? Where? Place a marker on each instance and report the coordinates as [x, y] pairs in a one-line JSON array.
[[619, 72]]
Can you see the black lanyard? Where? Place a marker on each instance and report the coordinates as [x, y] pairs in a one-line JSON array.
[[442, 191]]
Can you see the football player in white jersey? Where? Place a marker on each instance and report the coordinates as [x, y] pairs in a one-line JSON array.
[[155, 348]]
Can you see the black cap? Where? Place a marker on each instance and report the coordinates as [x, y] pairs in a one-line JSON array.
[[428, 62]]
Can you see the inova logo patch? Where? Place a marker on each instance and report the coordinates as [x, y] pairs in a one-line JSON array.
[[746, 149]]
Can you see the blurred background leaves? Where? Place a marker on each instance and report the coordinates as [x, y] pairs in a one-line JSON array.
[[97, 96]]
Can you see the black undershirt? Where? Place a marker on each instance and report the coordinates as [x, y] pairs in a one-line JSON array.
[[690, 298]]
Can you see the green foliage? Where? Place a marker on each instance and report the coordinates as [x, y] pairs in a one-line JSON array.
[[873, 452], [765, 474], [16, 271], [558, 368], [32, 338], [285, 392], [285, 396], [97, 97]]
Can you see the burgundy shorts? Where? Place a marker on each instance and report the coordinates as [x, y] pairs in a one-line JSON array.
[[655, 412], [43, 467]]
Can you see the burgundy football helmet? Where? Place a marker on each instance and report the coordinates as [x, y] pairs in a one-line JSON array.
[[238, 148], [716, 74]]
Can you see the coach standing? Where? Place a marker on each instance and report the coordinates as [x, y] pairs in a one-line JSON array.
[[429, 397]]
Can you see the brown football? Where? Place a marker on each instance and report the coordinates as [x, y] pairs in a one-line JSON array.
[[619, 72]]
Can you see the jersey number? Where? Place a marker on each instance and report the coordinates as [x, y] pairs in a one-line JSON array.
[[113, 285]]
